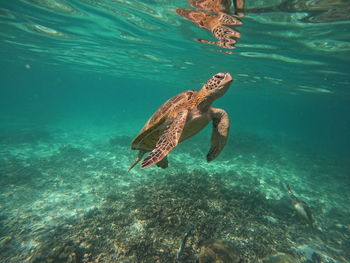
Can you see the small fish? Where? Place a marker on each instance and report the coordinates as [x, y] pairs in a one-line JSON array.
[[302, 208], [183, 243]]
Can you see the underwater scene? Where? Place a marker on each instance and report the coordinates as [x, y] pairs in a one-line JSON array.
[[200, 131]]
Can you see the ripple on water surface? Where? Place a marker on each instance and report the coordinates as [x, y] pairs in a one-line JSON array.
[[147, 38]]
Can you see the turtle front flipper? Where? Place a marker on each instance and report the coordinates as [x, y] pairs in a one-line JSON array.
[[221, 126], [168, 140]]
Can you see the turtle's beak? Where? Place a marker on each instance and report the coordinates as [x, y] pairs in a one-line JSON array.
[[225, 82], [228, 77]]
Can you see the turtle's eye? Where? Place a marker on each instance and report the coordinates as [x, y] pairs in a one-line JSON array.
[[219, 77]]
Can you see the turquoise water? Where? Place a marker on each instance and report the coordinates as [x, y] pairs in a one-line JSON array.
[[79, 80]]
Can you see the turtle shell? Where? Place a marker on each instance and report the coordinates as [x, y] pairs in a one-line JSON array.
[[154, 127]]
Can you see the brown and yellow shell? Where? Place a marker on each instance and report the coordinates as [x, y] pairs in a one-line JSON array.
[[149, 135]]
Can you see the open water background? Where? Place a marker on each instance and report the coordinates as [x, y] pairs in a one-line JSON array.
[[99, 69]]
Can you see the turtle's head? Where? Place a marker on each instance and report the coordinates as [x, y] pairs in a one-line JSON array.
[[217, 85]]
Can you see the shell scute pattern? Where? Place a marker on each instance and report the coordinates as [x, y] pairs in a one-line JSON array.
[[149, 135], [165, 108]]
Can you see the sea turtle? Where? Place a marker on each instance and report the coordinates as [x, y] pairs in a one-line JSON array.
[[182, 117], [303, 210]]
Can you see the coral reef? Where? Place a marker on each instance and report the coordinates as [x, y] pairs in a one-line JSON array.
[[217, 251], [147, 224]]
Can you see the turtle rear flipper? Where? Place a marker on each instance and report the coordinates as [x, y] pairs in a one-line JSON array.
[[168, 140], [138, 158], [163, 163]]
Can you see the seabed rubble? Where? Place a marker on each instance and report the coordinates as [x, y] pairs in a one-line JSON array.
[[78, 204]]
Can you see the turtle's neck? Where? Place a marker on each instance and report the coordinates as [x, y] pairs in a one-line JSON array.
[[204, 101]]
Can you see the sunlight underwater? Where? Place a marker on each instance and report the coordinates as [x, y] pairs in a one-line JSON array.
[[271, 196]]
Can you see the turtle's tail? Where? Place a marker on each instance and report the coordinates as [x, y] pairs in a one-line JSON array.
[[138, 158]]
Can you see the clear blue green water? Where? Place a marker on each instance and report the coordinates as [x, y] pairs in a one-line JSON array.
[[80, 78]]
